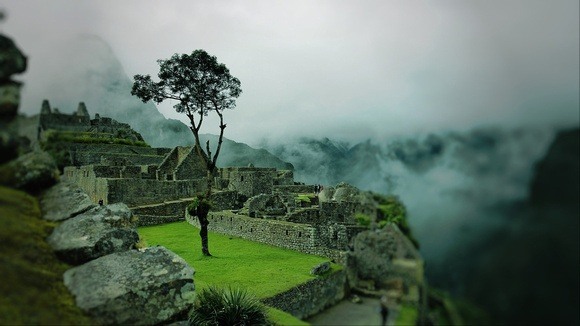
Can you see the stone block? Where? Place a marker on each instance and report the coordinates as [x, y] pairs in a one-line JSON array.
[[63, 201], [98, 232], [149, 287]]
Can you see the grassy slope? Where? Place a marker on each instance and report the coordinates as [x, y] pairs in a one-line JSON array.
[[262, 269], [31, 290]]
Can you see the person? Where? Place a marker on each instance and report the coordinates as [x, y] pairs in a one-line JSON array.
[[100, 202], [384, 310]]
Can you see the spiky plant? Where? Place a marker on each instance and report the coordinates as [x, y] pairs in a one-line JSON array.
[[231, 306]]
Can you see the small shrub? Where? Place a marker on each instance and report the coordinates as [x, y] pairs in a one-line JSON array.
[[362, 219], [192, 208], [142, 244], [392, 210], [218, 306], [303, 199]]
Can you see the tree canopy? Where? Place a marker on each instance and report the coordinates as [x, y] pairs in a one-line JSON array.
[[200, 85]]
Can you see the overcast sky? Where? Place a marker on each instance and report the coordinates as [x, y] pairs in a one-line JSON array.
[[343, 69]]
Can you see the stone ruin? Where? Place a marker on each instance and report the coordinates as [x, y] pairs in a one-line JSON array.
[[260, 204], [81, 122]]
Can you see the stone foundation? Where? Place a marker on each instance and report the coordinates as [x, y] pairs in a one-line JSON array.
[[312, 297]]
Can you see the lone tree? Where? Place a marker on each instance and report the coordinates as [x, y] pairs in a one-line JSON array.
[[200, 85]]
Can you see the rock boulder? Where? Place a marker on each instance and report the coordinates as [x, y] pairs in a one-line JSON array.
[[63, 201], [146, 287], [32, 172], [100, 231]]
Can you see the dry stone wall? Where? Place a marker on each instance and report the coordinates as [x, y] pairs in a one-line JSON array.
[[136, 192], [307, 299], [300, 237], [105, 183], [250, 181], [295, 189]]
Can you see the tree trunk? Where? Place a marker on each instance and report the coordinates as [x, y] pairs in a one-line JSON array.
[[202, 212]]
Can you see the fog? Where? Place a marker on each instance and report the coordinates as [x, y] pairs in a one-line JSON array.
[[344, 69]]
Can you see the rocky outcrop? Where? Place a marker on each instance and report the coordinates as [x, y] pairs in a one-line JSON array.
[[32, 172], [115, 283], [63, 201], [133, 287], [98, 232], [12, 61], [384, 258]]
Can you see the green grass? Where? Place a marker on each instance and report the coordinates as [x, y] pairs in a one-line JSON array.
[[31, 289], [282, 318], [261, 269], [407, 316], [53, 136]]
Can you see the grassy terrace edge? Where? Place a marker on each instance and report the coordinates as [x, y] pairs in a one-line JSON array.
[[32, 291], [262, 269]]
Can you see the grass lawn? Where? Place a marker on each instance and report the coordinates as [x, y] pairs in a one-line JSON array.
[[262, 269]]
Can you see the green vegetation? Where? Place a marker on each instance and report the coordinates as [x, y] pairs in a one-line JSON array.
[[448, 310], [53, 136], [263, 269], [197, 202], [282, 318], [227, 306], [362, 219], [31, 291], [392, 210], [56, 143], [303, 199], [408, 315]]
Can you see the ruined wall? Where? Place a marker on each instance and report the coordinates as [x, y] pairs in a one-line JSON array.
[[388, 258], [160, 213], [86, 178], [309, 298], [288, 235], [136, 192], [191, 166], [60, 121], [284, 177], [300, 237], [93, 157], [295, 189], [103, 182], [250, 181], [344, 212], [264, 205], [168, 165], [225, 200]]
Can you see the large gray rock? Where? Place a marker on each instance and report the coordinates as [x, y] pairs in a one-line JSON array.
[[380, 254], [32, 172], [100, 231], [12, 61], [63, 201], [146, 287]]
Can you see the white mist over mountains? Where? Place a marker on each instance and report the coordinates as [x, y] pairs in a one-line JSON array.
[[338, 69]]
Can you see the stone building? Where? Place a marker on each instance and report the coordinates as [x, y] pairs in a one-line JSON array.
[[81, 122], [182, 163]]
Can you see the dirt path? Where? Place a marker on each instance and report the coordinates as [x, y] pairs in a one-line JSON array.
[[366, 313]]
